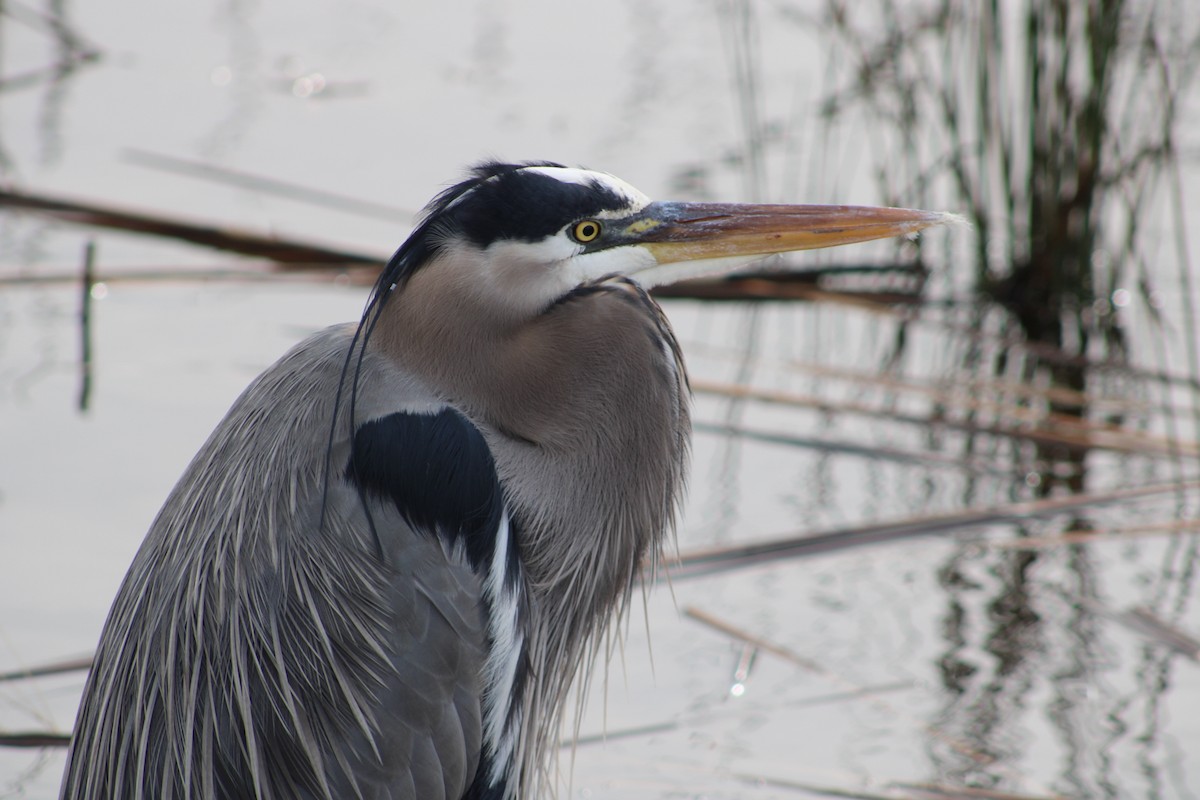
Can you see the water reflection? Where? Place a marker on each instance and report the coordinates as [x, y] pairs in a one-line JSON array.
[[1077, 679], [239, 75], [69, 52], [990, 687], [1056, 176]]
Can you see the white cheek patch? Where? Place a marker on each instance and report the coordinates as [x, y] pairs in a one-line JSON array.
[[628, 260], [510, 252], [655, 274], [531, 274]]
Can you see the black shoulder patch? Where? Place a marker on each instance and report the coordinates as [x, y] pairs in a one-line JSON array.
[[438, 471]]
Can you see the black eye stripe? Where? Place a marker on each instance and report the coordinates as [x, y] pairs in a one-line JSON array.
[[525, 205]]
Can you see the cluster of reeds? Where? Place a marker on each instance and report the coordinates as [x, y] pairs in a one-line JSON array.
[[1055, 127]]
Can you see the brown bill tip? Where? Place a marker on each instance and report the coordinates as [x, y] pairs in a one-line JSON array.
[[698, 231], [726, 236]]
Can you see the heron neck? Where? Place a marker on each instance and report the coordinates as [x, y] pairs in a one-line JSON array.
[[584, 408]]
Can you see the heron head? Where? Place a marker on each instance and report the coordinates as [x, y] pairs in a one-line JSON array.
[[526, 235]]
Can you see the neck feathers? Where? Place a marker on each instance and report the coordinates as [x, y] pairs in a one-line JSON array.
[[585, 409]]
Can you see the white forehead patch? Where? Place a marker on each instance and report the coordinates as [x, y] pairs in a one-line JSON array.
[[585, 177]]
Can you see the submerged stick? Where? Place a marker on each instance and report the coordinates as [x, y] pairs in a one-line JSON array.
[[725, 559], [1172, 528], [875, 452], [733, 632], [774, 286], [1056, 429], [812, 788], [35, 739], [85, 325], [1144, 621], [282, 251], [966, 392], [937, 791], [354, 275], [53, 668], [260, 183], [767, 645]]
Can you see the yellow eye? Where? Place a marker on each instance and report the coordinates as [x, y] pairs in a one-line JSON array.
[[586, 231]]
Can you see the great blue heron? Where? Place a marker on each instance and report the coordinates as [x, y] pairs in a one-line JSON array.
[[381, 574]]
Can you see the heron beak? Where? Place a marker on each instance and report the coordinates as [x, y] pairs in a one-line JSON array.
[[691, 240]]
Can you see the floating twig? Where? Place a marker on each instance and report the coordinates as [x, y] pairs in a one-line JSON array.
[[724, 559], [978, 466], [1057, 429], [935, 791], [289, 252], [693, 719], [792, 657], [1179, 526], [355, 275], [1144, 621], [812, 788], [625, 733], [964, 392], [775, 286], [259, 183], [53, 668], [36, 739], [734, 632], [85, 325]]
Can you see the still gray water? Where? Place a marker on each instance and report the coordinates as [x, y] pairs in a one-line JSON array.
[[990, 653]]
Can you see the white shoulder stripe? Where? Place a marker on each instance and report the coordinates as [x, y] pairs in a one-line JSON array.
[[501, 723]]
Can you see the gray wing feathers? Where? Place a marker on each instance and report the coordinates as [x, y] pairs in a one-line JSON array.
[[252, 652]]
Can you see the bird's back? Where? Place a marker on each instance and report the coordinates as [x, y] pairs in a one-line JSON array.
[[276, 637]]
